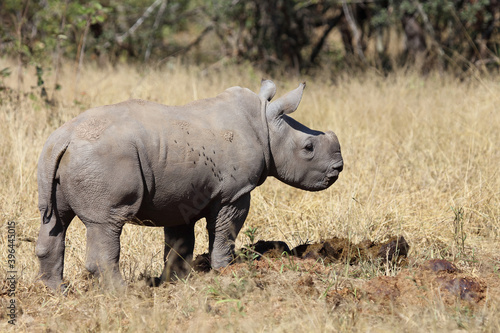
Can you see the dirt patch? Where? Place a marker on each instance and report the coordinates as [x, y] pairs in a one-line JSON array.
[[433, 280]]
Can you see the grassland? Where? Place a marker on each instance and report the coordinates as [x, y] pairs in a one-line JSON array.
[[421, 160]]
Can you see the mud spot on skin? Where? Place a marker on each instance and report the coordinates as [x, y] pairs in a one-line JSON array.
[[92, 128], [228, 136], [184, 125], [191, 156]]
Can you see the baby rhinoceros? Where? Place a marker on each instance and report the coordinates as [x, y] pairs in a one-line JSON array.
[[155, 165]]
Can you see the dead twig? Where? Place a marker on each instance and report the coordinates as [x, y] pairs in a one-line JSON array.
[[81, 51]]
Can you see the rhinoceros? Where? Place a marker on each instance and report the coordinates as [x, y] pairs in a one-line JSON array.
[[169, 166]]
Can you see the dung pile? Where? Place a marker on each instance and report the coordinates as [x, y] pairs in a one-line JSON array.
[[337, 250], [331, 250]]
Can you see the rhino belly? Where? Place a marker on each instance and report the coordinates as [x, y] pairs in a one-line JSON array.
[[172, 214]]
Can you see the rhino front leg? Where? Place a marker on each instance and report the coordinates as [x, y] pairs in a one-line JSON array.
[[223, 228], [103, 252], [178, 255]]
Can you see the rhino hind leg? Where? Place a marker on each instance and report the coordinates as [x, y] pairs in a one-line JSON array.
[[50, 246], [103, 252], [223, 228], [178, 255]]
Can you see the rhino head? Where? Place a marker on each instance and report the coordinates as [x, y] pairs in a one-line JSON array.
[[302, 157]]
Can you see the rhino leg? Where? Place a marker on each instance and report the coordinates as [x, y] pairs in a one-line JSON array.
[[178, 255], [103, 251], [223, 227], [50, 246]]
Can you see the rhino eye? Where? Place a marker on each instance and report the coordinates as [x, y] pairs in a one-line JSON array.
[[309, 147]]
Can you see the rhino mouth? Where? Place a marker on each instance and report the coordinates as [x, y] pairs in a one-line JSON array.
[[331, 178], [333, 175], [322, 183]]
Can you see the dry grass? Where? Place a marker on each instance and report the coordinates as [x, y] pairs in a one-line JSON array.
[[414, 149]]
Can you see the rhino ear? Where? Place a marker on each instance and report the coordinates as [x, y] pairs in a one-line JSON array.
[[267, 89], [286, 104]]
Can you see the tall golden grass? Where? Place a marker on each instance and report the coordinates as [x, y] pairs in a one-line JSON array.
[[416, 150]]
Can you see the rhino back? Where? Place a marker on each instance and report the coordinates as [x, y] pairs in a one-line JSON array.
[[190, 155]]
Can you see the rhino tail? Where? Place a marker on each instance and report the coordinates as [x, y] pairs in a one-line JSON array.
[[49, 176]]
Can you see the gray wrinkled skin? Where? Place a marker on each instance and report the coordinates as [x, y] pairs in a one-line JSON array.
[[150, 164]]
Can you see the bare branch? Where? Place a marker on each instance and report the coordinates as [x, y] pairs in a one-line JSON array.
[[354, 30], [58, 50], [198, 39], [317, 48], [156, 24], [19, 53], [81, 51], [430, 31], [195, 42], [139, 22]]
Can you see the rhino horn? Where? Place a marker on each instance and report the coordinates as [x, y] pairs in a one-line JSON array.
[[267, 89], [287, 103]]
